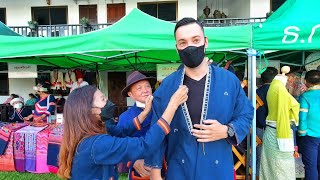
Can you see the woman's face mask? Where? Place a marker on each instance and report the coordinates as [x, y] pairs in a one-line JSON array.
[[17, 106]]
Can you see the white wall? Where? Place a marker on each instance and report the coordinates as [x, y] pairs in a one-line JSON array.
[[240, 9], [259, 8], [19, 11], [187, 8], [22, 87]]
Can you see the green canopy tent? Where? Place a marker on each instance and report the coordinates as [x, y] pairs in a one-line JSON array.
[[136, 41], [4, 30], [294, 26]]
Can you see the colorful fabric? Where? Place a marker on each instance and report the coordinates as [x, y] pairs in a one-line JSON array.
[[7, 160], [309, 113], [55, 139], [19, 157], [44, 106], [42, 149], [4, 138], [16, 116], [283, 110], [27, 159], [275, 164]]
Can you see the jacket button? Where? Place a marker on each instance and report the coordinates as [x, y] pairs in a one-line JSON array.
[[182, 161], [216, 162]]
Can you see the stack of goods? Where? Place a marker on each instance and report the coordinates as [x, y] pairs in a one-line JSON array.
[[6, 145], [55, 138], [25, 149]]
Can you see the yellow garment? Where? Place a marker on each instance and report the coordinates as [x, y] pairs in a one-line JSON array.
[[283, 108]]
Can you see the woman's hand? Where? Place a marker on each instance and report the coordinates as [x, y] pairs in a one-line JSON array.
[[179, 97]]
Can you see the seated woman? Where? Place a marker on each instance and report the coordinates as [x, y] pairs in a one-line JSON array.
[[32, 100], [45, 105], [89, 152], [19, 113]]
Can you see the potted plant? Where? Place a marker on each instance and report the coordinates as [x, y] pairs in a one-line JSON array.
[[84, 21], [33, 24], [268, 14]]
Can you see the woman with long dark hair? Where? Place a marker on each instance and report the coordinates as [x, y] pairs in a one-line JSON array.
[[89, 152]]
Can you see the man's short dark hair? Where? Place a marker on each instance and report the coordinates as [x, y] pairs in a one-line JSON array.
[[268, 75], [186, 21], [313, 77]]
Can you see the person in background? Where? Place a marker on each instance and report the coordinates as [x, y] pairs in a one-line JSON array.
[[19, 113], [32, 100], [80, 82], [138, 88], [60, 103], [309, 126], [89, 152], [12, 96], [45, 105]]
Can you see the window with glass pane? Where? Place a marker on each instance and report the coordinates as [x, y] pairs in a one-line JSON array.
[[163, 10], [50, 15], [3, 15], [4, 81]]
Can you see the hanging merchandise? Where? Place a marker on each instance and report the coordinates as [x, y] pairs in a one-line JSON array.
[[70, 78], [80, 82], [57, 82]]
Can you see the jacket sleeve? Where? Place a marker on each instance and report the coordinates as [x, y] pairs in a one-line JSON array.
[[108, 150], [242, 116], [52, 105], [304, 109], [156, 159], [126, 129]]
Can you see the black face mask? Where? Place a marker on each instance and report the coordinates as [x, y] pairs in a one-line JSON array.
[[192, 56]]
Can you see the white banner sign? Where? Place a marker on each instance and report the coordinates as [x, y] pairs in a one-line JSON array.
[[164, 70], [22, 71]]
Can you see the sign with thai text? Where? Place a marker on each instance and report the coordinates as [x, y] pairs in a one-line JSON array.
[[164, 70], [22, 70]]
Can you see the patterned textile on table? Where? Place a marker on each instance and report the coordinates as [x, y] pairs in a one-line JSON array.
[[27, 160], [5, 132], [275, 164], [4, 138], [42, 149], [55, 138], [7, 160]]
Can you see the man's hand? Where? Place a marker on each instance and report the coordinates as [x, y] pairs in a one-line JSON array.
[[210, 131], [148, 104], [142, 170]]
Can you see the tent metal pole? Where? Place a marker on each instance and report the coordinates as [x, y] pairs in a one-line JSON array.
[[252, 63], [292, 64], [97, 76], [303, 58], [279, 55], [122, 54]]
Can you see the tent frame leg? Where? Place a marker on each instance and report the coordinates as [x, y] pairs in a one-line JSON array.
[[252, 64]]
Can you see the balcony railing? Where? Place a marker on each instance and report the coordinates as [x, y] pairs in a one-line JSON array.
[[75, 29], [56, 30], [231, 21]]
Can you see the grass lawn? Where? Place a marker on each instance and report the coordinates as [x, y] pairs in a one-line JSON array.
[[29, 176]]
